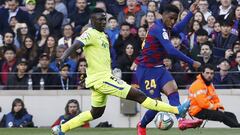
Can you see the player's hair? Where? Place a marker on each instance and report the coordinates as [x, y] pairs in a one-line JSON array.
[[209, 66], [97, 10], [170, 8]]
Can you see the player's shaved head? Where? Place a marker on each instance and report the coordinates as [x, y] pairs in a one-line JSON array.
[[170, 8], [98, 19]]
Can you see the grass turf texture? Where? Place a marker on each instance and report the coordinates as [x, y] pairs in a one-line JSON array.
[[123, 131]]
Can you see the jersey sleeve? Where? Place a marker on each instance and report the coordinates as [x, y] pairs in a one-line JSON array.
[[161, 34], [85, 39]]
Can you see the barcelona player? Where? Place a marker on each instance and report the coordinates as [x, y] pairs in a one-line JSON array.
[[152, 76], [100, 79]]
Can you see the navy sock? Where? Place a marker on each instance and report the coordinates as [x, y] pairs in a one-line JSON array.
[[148, 117], [173, 99]]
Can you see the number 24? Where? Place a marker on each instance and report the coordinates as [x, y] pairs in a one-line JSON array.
[[150, 84]]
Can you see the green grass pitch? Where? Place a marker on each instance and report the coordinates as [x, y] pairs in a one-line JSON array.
[[123, 131]]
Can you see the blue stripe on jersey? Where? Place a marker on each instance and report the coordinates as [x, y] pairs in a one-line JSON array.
[[120, 88]]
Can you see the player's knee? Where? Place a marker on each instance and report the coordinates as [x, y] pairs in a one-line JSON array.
[[136, 95], [97, 112]]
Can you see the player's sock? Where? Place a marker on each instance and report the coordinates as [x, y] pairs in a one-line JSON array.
[[77, 121], [173, 99], [148, 117], [159, 106]]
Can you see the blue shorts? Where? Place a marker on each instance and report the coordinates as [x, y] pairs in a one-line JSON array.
[[152, 80]]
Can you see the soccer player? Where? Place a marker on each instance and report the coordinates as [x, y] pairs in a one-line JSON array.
[[100, 79], [152, 76]]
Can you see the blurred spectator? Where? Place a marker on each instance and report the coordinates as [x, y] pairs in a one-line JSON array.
[[198, 16], [142, 32], [8, 64], [55, 64], [210, 24], [64, 81], [113, 30], [126, 37], [223, 79], [30, 7], [61, 7], [206, 56], [192, 35], [50, 48], [125, 61], [225, 39], [178, 4], [8, 40], [72, 109], [67, 38], [82, 12], [216, 30], [130, 19], [81, 74], [13, 10], [45, 73], [40, 20], [153, 7], [13, 23], [236, 72], [22, 31], [18, 117], [203, 7], [144, 5], [177, 43], [202, 37], [224, 10], [42, 38], [134, 8], [149, 21], [115, 6], [29, 51], [19, 79], [236, 20], [54, 17]]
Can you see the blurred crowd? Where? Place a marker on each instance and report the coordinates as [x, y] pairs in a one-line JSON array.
[[35, 33]]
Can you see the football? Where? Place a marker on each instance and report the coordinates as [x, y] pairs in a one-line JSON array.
[[163, 121]]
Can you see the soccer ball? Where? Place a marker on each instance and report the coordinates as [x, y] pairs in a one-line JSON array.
[[163, 121]]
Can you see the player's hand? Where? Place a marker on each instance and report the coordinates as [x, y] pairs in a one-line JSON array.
[[194, 6], [196, 64], [133, 67]]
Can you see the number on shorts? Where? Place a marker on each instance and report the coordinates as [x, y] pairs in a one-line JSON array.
[[150, 84]]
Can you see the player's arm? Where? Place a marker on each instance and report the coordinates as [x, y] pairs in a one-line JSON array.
[[79, 42], [161, 34], [179, 27], [75, 46]]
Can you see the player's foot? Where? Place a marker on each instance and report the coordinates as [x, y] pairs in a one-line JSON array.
[[182, 109], [187, 123], [56, 130], [140, 130]]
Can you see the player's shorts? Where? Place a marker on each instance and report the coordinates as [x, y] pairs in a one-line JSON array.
[[108, 86], [152, 80]]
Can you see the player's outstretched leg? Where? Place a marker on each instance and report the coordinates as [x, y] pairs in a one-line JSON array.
[[171, 91], [78, 120], [140, 97]]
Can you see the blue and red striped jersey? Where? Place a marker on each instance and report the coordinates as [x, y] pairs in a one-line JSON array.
[[157, 46]]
